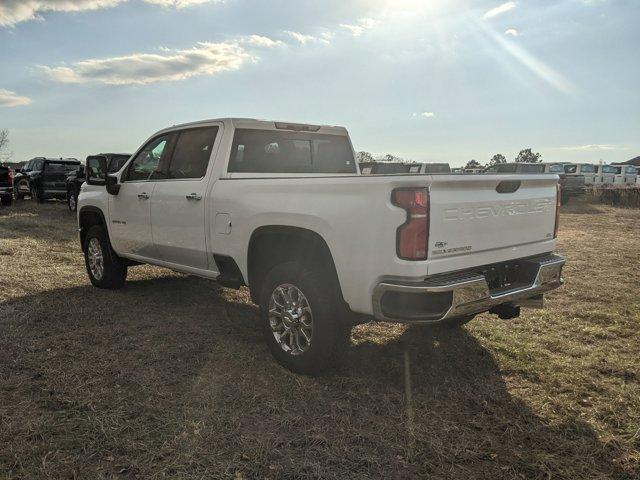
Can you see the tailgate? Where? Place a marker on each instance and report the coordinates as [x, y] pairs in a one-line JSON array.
[[470, 218], [55, 175], [4, 177]]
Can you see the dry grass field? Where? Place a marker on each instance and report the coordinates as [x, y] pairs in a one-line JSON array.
[[169, 377]]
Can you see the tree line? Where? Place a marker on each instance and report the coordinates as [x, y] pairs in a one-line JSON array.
[[524, 156]]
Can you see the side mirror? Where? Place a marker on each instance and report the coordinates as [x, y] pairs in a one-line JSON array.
[[113, 187], [96, 171]]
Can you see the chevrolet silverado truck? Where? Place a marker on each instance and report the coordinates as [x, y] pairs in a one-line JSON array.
[[282, 208]]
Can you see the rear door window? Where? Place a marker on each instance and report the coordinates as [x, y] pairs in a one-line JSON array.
[[192, 152], [275, 151]]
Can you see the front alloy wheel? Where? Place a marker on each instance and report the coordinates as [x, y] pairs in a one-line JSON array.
[[105, 268], [291, 319], [95, 258]]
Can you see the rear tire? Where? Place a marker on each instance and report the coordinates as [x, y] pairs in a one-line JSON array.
[[302, 350], [35, 194], [72, 201], [7, 201], [104, 267]]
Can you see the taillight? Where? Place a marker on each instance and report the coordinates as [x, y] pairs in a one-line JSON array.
[[412, 235], [10, 177], [558, 201]]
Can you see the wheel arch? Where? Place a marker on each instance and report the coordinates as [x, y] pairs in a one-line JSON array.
[[270, 245], [88, 217]]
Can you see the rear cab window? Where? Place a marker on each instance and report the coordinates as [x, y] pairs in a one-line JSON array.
[[285, 151]]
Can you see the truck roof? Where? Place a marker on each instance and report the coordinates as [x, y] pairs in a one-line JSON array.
[[261, 124]]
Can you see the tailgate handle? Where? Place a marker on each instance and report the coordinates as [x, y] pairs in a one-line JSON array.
[[508, 186]]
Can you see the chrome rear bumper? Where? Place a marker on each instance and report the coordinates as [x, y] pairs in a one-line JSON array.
[[470, 292]]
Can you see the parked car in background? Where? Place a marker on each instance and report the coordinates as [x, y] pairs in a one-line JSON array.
[[571, 185], [43, 178], [76, 178], [625, 173], [587, 170], [429, 168], [279, 207], [6, 185], [378, 168], [605, 174]]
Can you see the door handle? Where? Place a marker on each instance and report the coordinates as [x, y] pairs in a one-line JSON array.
[[194, 196], [143, 196]]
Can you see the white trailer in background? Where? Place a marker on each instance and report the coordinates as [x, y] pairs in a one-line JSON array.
[[625, 174], [587, 170]]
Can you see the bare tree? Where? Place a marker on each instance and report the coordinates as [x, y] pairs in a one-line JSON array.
[[4, 139]]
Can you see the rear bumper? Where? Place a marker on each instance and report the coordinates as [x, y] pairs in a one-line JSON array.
[[463, 293], [6, 191]]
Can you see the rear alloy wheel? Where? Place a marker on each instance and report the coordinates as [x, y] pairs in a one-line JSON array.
[[105, 268], [302, 324], [291, 319], [72, 201]]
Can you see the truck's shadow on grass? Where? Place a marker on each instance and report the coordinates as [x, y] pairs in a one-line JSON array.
[[170, 377]]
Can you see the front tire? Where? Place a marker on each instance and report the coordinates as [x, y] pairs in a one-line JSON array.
[[298, 309], [104, 267]]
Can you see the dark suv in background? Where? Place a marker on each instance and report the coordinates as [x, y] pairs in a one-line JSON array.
[[6, 185], [44, 178], [115, 161]]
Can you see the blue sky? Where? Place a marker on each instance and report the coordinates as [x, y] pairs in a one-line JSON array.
[[427, 80]]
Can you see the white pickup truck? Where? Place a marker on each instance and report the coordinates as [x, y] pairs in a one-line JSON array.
[[282, 209]]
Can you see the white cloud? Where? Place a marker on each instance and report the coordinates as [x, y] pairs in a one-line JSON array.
[[145, 68], [179, 3], [260, 41], [304, 39], [11, 99], [360, 27], [500, 9], [592, 147], [512, 31], [16, 11], [424, 115]]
